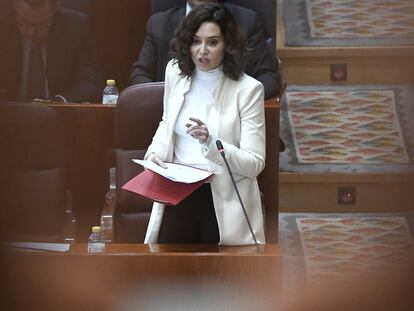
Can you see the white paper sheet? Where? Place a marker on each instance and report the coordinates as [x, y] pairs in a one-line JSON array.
[[176, 172]]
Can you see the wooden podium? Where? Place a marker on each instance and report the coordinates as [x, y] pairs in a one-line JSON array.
[[143, 277]]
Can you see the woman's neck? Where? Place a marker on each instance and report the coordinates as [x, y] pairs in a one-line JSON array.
[[210, 76]]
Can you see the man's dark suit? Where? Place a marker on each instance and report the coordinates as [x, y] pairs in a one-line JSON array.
[[154, 54], [73, 69]]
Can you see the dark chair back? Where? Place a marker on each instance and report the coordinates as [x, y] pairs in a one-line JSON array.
[[32, 173], [139, 110]]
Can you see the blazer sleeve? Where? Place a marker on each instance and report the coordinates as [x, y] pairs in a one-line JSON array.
[[261, 65], [74, 67], [246, 157], [144, 69], [88, 86]]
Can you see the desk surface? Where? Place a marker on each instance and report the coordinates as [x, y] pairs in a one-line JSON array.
[[115, 249], [77, 105], [181, 250], [269, 103], [150, 277]]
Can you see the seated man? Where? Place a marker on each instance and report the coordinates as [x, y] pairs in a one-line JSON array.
[[47, 52], [154, 54]]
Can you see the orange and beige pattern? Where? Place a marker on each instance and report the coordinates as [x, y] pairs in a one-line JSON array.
[[346, 127], [341, 19], [350, 247], [336, 23]]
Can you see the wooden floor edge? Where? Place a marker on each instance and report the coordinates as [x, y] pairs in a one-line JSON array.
[[359, 52], [290, 177]]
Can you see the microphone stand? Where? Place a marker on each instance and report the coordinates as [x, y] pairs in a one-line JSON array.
[[221, 150]]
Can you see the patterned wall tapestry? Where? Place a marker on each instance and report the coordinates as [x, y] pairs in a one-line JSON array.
[[348, 247], [366, 18], [359, 126], [348, 22]]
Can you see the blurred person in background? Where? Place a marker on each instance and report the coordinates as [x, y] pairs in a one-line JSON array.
[[47, 52]]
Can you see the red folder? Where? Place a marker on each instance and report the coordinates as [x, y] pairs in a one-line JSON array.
[[160, 189]]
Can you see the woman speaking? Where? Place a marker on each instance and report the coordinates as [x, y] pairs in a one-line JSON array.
[[208, 98]]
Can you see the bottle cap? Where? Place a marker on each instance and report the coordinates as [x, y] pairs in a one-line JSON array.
[[96, 229], [110, 82]]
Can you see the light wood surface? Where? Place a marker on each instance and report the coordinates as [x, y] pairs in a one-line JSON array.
[[317, 193], [314, 69], [269, 178], [145, 277]]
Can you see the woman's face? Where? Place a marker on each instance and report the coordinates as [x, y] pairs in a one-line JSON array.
[[207, 50]]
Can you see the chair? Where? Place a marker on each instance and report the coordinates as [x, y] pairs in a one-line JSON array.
[[139, 111], [32, 174]]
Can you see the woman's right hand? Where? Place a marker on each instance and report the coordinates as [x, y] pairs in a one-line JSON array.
[[157, 160]]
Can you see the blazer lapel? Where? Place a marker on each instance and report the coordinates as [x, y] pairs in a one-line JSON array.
[[177, 101], [175, 104]]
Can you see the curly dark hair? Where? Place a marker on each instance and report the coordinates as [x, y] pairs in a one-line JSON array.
[[235, 41]]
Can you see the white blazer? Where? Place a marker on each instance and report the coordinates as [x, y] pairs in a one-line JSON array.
[[236, 117]]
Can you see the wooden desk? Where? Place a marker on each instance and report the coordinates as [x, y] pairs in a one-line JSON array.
[[269, 178], [144, 277], [89, 137]]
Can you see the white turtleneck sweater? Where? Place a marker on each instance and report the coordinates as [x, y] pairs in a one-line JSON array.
[[197, 101]]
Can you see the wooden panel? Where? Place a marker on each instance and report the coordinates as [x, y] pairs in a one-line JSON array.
[[268, 179], [318, 193], [89, 138], [142, 277], [372, 70], [119, 30]]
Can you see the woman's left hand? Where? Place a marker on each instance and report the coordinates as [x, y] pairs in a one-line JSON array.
[[198, 130]]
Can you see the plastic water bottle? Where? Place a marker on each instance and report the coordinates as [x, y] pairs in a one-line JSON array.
[[110, 93], [69, 228], [96, 242], [108, 209]]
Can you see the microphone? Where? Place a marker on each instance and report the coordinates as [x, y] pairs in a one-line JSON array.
[[221, 150]]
